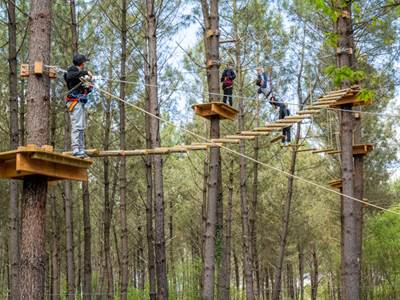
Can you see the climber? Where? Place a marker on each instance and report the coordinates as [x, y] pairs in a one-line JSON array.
[[227, 83], [284, 112], [77, 79], [262, 82]]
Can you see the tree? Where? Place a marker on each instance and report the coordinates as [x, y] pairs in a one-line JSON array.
[[34, 192], [157, 162], [122, 174], [211, 42], [14, 142]]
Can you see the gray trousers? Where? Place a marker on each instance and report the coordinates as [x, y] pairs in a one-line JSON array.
[[78, 125]]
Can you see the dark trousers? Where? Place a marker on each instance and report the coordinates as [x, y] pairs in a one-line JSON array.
[[286, 132], [228, 96]]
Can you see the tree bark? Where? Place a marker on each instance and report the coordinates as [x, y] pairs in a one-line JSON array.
[[122, 174], [69, 229], [87, 243], [149, 189], [314, 274], [351, 212], [211, 22], [107, 199], [247, 251], [55, 252], [13, 241], [300, 249], [33, 255], [225, 271], [160, 253]]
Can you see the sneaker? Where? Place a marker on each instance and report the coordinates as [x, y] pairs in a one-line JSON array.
[[80, 154]]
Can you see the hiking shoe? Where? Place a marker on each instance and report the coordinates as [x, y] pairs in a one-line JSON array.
[[80, 154]]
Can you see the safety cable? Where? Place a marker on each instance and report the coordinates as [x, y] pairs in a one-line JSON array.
[[242, 155], [233, 95]]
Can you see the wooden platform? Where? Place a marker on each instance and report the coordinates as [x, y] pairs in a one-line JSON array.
[[215, 109], [358, 150], [362, 150], [338, 98], [32, 160]]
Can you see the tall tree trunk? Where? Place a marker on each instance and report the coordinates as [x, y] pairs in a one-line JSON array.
[[69, 229], [161, 264], [107, 199], [237, 273], [87, 243], [225, 272], [122, 173], [247, 252], [211, 22], [290, 281], [276, 291], [33, 253], [149, 189], [13, 241], [351, 211], [55, 252], [300, 249], [74, 27], [314, 274]]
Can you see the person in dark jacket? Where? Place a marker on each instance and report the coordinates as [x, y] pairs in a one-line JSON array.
[[76, 99], [262, 82], [227, 78], [284, 112]]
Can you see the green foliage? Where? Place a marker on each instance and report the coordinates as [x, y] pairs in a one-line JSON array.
[[343, 74], [381, 250]]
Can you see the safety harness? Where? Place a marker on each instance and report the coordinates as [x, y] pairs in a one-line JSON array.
[[77, 96]]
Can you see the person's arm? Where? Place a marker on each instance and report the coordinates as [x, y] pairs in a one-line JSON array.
[[223, 76], [233, 75], [75, 74]]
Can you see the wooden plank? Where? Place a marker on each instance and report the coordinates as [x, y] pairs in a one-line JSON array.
[[60, 160], [226, 141], [38, 68], [334, 152], [306, 150], [277, 138], [267, 129], [223, 111], [240, 137], [323, 150], [208, 144], [297, 117], [25, 164], [196, 147], [326, 102], [308, 112], [289, 121], [278, 125], [320, 106], [350, 100], [362, 149], [254, 133]]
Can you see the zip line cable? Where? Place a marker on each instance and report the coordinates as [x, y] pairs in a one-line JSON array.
[[243, 155], [234, 96]]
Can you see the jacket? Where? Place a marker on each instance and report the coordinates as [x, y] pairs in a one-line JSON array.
[[227, 78], [262, 80], [72, 78]]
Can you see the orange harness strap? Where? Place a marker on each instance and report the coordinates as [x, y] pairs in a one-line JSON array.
[[72, 105]]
